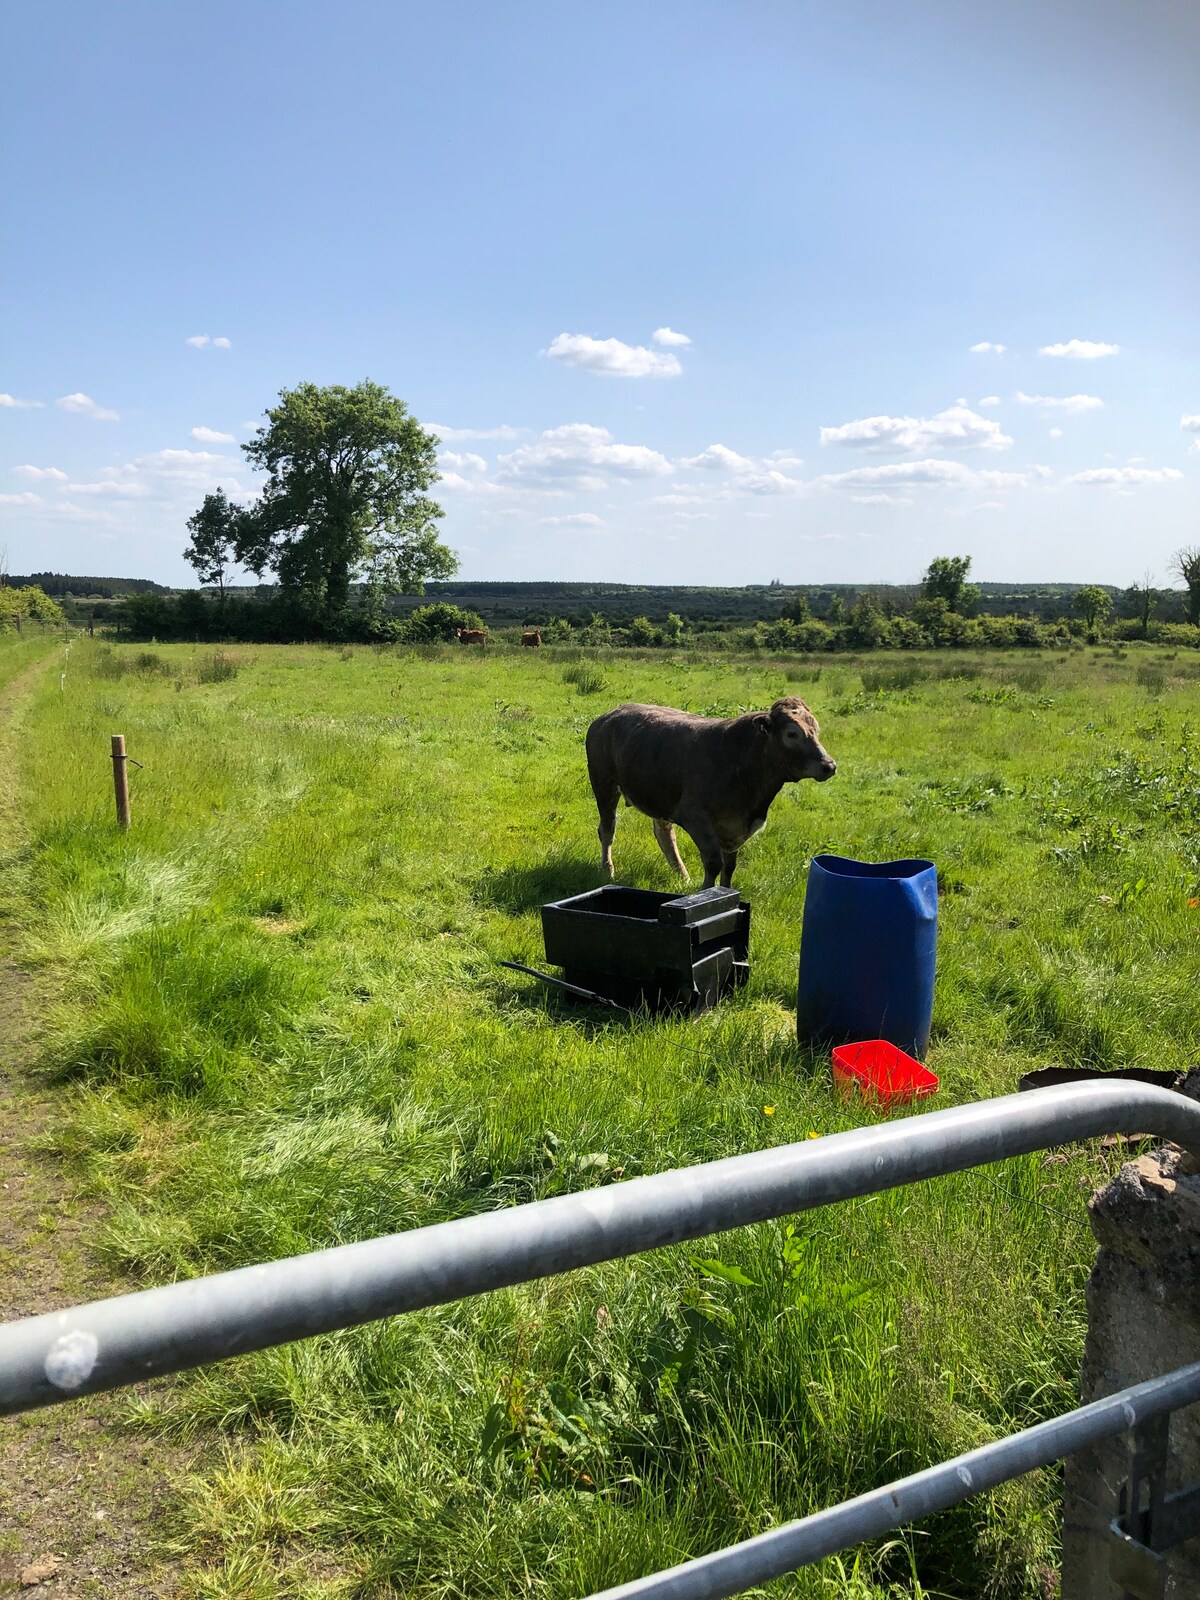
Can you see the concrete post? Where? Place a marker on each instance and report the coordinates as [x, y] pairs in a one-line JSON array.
[[1143, 1321]]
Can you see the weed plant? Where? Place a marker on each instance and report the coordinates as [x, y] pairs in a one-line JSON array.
[[286, 1028]]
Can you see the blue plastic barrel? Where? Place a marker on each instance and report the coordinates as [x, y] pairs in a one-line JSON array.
[[867, 952]]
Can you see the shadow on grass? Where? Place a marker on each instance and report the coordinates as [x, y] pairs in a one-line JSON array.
[[525, 888], [588, 1019]]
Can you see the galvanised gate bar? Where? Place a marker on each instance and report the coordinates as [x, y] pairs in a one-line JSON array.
[[127, 1339]]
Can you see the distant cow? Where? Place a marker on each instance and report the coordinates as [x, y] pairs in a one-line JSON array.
[[531, 638], [714, 777], [472, 636]]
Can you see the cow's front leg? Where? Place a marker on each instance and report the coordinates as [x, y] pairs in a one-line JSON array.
[[728, 863], [704, 837]]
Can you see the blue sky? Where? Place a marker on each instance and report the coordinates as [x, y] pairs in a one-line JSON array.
[[690, 291]]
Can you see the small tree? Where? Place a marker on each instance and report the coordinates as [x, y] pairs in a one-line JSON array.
[[345, 497], [641, 631], [1145, 599], [1093, 604], [215, 530], [946, 579], [1185, 564]]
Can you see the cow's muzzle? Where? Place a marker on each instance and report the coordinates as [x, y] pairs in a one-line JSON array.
[[826, 770]]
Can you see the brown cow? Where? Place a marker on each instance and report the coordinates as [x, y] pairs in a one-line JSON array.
[[472, 636], [531, 638], [714, 777]]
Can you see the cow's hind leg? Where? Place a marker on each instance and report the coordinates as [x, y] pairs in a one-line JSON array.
[[664, 832]]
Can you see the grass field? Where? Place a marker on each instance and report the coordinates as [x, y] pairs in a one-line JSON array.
[[285, 1027]]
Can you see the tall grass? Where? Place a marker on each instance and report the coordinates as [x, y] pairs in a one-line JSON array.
[[288, 1028]]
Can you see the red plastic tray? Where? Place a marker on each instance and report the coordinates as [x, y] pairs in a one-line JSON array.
[[881, 1071]]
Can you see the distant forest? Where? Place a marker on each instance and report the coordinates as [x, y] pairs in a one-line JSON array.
[[512, 604], [66, 585]]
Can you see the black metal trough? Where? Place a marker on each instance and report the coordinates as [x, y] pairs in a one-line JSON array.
[[641, 948]]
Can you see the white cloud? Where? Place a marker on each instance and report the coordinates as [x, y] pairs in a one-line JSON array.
[[461, 461], [1191, 423], [169, 477], [25, 498], [748, 474], [668, 336], [211, 436], [990, 400], [1079, 350], [9, 402], [72, 513], [199, 340], [453, 435], [957, 428], [611, 358], [222, 343], [52, 474], [582, 455], [881, 499], [1056, 433], [84, 405], [1013, 480], [985, 345], [576, 519], [1117, 477], [930, 473], [719, 458], [1072, 404], [113, 489]]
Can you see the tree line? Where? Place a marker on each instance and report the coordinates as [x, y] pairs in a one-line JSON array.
[[345, 524]]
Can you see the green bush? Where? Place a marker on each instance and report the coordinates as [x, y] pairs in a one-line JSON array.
[[217, 668], [437, 623]]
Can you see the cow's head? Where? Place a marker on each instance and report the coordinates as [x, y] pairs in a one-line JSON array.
[[795, 739]]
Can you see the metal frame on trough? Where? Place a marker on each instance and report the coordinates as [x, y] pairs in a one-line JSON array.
[[127, 1339]]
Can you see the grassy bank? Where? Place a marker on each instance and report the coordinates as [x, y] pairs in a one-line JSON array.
[[287, 1028]]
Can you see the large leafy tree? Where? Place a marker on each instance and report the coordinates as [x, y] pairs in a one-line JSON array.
[[946, 579], [346, 499]]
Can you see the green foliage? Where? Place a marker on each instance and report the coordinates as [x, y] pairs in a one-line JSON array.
[[345, 497], [587, 679], [1185, 564], [27, 602], [1093, 604], [438, 623], [216, 531], [946, 579], [219, 667]]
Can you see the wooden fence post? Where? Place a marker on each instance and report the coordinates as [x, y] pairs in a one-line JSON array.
[[120, 780]]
